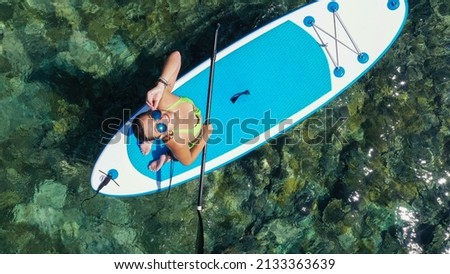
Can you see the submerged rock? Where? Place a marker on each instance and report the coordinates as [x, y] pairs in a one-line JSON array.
[[5, 66], [46, 209], [45, 6], [50, 194]]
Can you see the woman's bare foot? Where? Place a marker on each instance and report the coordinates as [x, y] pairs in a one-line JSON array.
[[145, 147], [157, 164]]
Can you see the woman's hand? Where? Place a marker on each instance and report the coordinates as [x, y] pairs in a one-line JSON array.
[[154, 96]]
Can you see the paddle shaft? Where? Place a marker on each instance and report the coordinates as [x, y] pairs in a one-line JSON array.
[[207, 117]]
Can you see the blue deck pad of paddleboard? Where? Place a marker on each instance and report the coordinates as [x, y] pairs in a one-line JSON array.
[[285, 63]]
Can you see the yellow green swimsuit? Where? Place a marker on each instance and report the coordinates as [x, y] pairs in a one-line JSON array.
[[197, 129]]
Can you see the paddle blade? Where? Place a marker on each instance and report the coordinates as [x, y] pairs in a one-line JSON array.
[[200, 234]]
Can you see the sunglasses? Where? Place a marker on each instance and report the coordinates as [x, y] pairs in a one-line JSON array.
[[156, 115]]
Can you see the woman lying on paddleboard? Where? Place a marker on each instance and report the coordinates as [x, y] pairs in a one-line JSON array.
[[173, 119]]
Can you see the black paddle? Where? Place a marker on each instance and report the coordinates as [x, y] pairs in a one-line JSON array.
[[200, 234]]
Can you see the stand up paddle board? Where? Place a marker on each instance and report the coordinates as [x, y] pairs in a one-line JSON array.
[[265, 83]]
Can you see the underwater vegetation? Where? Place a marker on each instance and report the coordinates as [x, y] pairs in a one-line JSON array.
[[379, 183]]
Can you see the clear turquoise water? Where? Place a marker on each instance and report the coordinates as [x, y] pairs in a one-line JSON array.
[[380, 186]]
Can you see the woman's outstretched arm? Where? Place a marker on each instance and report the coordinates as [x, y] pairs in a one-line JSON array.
[[166, 81]]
